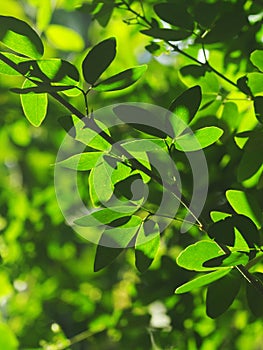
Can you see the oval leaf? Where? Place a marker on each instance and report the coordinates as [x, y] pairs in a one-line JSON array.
[[194, 256], [34, 105], [64, 38], [121, 80], [98, 60], [257, 59], [166, 34], [20, 37], [81, 162], [175, 15], [184, 108], [221, 294], [201, 138], [245, 204], [202, 281]]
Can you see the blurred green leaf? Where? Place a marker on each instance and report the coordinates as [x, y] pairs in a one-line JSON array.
[[64, 38], [258, 106], [254, 297], [8, 340], [34, 105], [121, 80], [20, 37], [202, 281], [98, 60]]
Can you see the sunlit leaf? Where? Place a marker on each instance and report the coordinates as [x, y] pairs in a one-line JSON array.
[[8, 340], [34, 105], [98, 60], [5, 68], [221, 294], [64, 38], [202, 281], [201, 138], [175, 15], [105, 215], [20, 37], [255, 82], [81, 162], [257, 59], [245, 204], [194, 256], [166, 34], [227, 260], [121, 80]]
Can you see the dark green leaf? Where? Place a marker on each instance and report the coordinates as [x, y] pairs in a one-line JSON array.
[[242, 84], [147, 245], [42, 88], [98, 60], [166, 34], [184, 108], [202, 281], [121, 80], [104, 14], [193, 70], [221, 294], [141, 119], [105, 256], [258, 106], [175, 15], [254, 297], [20, 37], [223, 231]]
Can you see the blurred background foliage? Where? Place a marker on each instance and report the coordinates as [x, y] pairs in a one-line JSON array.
[[50, 298]]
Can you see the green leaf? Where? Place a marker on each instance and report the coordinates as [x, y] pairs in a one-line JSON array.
[[194, 256], [166, 34], [51, 70], [98, 60], [34, 105], [254, 297], [121, 80], [42, 88], [105, 256], [82, 162], [8, 340], [227, 260], [258, 106], [5, 68], [64, 38], [221, 294], [20, 37], [141, 119], [202, 281], [102, 183], [257, 59], [255, 82], [184, 108], [223, 231], [105, 215], [201, 138], [193, 70], [243, 203], [147, 145], [147, 245], [175, 15], [218, 215]]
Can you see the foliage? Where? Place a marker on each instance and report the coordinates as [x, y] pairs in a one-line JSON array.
[[140, 285]]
